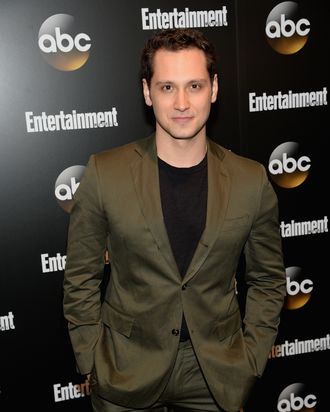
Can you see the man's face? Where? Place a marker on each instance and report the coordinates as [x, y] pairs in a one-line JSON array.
[[180, 93]]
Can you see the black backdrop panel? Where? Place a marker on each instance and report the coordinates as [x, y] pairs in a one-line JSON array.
[[40, 170]]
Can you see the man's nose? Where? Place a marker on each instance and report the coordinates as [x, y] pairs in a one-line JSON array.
[[181, 100]]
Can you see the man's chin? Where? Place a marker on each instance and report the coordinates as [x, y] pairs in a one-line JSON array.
[[183, 137], [178, 133]]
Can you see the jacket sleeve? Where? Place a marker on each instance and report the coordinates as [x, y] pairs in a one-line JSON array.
[[85, 268], [265, 277]]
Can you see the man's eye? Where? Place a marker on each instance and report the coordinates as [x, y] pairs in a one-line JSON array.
[[167, 87], [195, 86]]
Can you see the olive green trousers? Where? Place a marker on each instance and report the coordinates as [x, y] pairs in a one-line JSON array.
[[186, 390]]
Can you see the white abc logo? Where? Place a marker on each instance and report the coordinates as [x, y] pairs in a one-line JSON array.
[[296, 403], [293, 287], [289, 164], [66, 192], [64, 42], [67, 184], [287, 28]]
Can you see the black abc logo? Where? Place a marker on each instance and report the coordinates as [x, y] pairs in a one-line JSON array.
[[66, 185], [286, 30], [288, 167], [62, 44]]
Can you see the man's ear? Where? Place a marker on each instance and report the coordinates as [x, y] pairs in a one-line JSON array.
[[146, 92], [214, 88]]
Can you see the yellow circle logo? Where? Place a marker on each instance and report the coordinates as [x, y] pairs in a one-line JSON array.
[[62, 44], [287, 31], [289, 167]]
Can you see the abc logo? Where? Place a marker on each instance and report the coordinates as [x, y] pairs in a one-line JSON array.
[[287, 31], [295, 397], [66, 185], [287, 166], [62, 45], [299, 289]]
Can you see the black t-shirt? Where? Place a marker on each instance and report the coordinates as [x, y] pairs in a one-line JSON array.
[[183, 193]]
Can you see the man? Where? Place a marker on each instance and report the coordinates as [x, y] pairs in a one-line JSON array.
[[175, 211]]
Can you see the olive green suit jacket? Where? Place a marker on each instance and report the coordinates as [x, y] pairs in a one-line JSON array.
[[129, 341]]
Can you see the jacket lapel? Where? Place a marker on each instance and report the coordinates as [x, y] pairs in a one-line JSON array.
[[146, 180], [217, 202]]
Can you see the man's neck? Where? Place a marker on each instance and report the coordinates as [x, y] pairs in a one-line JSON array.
[[181, 152]]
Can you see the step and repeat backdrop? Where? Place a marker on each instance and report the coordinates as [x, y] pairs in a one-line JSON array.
[[70, 87]]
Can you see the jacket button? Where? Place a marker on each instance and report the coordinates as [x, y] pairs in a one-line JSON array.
[[184, 287], [175, 332]]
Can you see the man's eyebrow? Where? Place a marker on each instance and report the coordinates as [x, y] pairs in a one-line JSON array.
[[161, 82], [164, 82]]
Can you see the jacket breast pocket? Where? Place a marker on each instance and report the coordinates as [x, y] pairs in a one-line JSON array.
[[236, 223], [118, 321], [231, 237]]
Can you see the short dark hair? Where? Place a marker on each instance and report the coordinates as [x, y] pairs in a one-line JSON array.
[[174, 40]]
